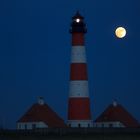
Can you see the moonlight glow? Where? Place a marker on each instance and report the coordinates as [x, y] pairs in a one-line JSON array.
[[120, 32]]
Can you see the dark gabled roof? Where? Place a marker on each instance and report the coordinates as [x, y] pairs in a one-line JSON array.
[[44, 114], [117, 112]]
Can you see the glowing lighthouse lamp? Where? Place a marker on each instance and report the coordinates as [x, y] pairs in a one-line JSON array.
[[77, 20]]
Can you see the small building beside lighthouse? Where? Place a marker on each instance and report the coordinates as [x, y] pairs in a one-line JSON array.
[[40, 115], [116, 116]]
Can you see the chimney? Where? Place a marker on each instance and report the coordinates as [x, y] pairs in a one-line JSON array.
[[114, 103], [41, 101]]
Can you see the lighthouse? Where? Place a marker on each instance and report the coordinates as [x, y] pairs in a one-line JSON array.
[[79, 114]]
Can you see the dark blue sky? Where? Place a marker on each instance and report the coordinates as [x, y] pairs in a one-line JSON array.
[[35, 50]]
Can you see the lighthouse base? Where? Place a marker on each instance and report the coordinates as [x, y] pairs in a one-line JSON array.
[[80, 123]]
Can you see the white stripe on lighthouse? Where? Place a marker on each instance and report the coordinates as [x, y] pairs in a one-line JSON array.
[[79, 88], [78, 54]]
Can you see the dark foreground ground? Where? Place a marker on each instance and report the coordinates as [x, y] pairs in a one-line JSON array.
[[73, 134]]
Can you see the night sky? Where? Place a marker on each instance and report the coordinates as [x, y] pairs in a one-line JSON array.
[[35, 47]]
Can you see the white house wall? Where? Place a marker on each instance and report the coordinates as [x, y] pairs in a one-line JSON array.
[[108, 124], [31, 125]]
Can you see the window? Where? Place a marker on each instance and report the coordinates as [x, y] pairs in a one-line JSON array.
[[95, 125], [33, 126], [110, 125], [102, 125], [79, 125], [69, 125], [25, 126], [19, 126]]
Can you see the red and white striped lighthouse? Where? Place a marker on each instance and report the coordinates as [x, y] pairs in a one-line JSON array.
[[79, 114]]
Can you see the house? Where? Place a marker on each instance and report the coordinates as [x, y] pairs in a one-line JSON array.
[[116, 115], [40, 115]]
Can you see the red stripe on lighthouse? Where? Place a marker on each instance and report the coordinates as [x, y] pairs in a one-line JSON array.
[[78, 71], [77, 39], [79, 109]]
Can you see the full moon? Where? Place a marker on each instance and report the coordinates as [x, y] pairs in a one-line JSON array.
[[120, 32]]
